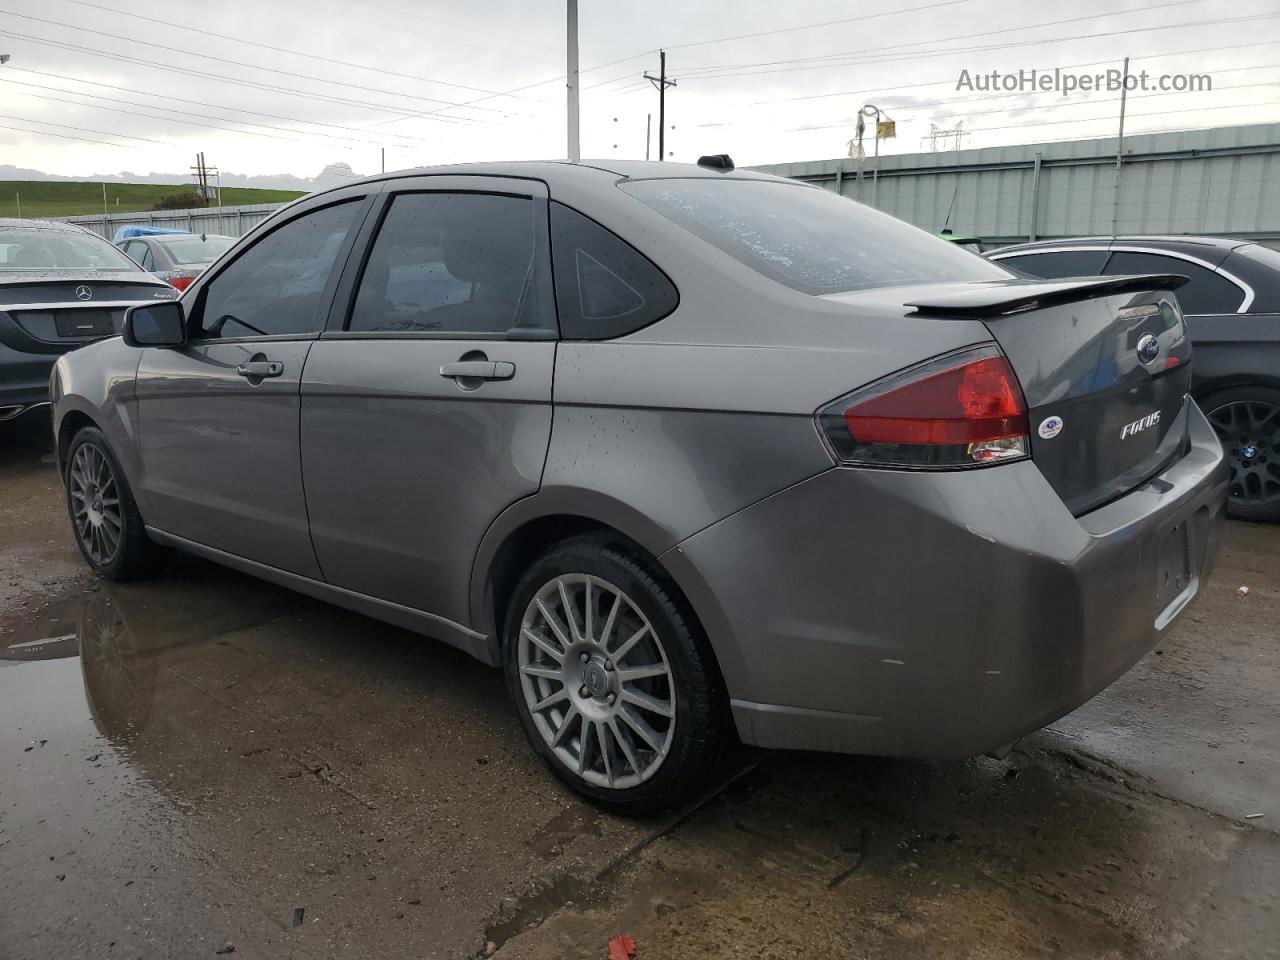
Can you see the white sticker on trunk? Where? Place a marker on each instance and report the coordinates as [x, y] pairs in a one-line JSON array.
[[1050, 427]]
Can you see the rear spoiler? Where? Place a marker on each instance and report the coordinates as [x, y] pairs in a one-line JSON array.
[[980, 300]]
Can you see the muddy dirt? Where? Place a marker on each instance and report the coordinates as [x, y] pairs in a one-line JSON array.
[[204, 761]]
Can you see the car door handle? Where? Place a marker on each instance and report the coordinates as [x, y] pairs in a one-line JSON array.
[[478, 370], [260, 368]]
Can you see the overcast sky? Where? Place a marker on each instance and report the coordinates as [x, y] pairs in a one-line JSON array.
[[275, 86]]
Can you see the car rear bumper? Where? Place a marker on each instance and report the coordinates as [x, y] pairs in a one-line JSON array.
[[24, 379], [943, 614]]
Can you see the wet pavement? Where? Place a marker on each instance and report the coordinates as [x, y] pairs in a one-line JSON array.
[[204, 762]]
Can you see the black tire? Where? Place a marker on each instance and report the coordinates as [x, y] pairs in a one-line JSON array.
[[133, 554], [699, 730], [1247, 421]]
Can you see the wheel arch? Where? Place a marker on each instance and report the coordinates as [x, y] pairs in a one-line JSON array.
[[1207, 387], [531, 526], [72, 422]]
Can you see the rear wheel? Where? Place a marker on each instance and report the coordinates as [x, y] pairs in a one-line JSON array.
[[1247, 421], [613, 680], [104, 518]]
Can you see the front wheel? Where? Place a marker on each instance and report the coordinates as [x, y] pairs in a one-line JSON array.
[[1247, 421], [614, 682], [104, 518]]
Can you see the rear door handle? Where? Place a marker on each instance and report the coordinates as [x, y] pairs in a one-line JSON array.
[[478, 370], [258, 369]]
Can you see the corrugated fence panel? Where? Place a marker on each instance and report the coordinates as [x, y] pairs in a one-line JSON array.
[[221, 221], [1221, 181]]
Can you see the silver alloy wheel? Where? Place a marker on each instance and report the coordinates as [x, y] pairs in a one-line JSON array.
[[597, 681], [95, 503]]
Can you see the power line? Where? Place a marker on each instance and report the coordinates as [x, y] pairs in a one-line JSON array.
[[1056, 106], [193, 123], [63, 136], [514, 90], [1054, 123], [999, 46], [187, 28], [950, 81], [963, 36], [168, 48], [453, 26], [201, 103], [105, 133], [824, 23], [254, 84]]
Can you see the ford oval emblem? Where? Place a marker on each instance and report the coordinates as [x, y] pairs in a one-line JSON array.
[[1148, 348], [83, 293], [1050, 427]]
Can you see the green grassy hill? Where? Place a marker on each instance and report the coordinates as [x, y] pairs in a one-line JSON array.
[[64, 198]]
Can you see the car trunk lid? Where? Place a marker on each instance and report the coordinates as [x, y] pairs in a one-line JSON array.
[[1104, 365]]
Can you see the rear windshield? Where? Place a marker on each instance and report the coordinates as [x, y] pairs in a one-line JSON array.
[[197, 249], [810, 239], [27, 250]]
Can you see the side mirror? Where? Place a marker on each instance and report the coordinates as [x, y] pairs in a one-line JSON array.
[[162, 324]]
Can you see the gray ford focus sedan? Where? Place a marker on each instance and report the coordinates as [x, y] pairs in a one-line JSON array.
[[689, 452]]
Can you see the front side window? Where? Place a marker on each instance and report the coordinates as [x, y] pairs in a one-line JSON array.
[[36, 250], [274, 288], [810, 239], [1204, 292], [463, 263]]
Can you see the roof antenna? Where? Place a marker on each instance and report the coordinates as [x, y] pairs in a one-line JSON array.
[[717, 161], [946, 224]]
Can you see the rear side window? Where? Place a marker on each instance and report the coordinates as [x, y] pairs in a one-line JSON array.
[[810, 239], [604, 287], [1205, 291], [1058, 263], [456, 263]]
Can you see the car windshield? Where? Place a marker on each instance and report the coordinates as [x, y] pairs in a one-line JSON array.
[[32, 250], [810, 239], [197, 249]]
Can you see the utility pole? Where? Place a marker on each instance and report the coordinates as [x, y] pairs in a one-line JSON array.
[[18, 197], [648, 133], [1115, 193], [571, 79], [104, 201], [661, 83], [384, 159]]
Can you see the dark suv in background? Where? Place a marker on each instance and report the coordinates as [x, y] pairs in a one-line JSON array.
[[60, 286], [1231, 302]]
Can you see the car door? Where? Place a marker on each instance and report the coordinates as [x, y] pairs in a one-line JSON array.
[[426, 407], [218, 418]]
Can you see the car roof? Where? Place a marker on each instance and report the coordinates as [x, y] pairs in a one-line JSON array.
[[9, 223], [1168, 241], [565, 171]]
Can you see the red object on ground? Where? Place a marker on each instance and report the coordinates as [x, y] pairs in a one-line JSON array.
[[622, 947]]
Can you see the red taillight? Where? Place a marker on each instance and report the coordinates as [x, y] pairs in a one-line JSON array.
[[960, 410], [181, 283]]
